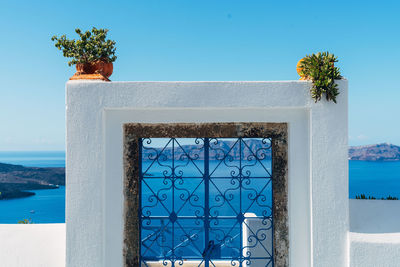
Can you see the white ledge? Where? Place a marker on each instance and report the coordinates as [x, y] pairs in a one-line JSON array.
[[32, 245]]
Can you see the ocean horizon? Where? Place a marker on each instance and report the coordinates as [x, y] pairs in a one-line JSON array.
[[34, 158], [372, 178]]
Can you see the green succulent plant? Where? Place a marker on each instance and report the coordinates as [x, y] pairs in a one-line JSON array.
[[320, 68], [92, 46]]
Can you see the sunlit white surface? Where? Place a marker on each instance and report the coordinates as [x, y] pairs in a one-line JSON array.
[[32, 245]]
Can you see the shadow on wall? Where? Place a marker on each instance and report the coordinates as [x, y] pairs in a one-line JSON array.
[[374, 216]]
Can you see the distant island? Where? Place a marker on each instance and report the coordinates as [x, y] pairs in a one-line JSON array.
[[17, 180], [378, 152], [217, 150]]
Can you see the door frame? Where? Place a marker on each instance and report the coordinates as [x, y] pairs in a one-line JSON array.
[[277, 132]]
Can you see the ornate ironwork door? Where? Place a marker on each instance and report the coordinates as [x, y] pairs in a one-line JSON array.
[[191, 200], [206, 202]]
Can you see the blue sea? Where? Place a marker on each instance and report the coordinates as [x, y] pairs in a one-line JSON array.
[[378, 179], [372, 178], [34, 158], [47, 206]]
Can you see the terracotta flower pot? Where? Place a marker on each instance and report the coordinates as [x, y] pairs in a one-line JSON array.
[[99, 70], [84, 68], [299, 70], [104, 68]]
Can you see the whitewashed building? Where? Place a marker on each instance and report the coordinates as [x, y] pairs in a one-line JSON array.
[[324, 227]]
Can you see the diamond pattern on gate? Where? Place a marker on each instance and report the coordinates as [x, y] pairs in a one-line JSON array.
[[218, 200]]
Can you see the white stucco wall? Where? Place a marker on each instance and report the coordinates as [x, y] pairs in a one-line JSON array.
[[318, 189], [374, 216], [375, 233], [32, 245], [373, 250]]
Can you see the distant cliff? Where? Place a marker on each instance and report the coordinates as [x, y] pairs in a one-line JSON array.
[[378, 152], [218, 149], [17, 180]]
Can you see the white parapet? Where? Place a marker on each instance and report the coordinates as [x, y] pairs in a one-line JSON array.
[[318, 167], [32, 245], [375, 233], [373, 250], [374, 216]]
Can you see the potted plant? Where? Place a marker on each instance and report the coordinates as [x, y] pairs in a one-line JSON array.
[[92, 54], [320, 69]]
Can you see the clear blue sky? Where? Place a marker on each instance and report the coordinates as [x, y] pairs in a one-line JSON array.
[[198, 40]]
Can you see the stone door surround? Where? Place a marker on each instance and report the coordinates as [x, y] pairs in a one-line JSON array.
[[276, 131]]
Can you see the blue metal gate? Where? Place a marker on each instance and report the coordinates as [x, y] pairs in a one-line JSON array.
[[206, 202]]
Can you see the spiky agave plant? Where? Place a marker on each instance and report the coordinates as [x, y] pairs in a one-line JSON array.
[[320, 68]]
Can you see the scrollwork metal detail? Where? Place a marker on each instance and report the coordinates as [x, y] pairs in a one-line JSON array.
[[206, 200]]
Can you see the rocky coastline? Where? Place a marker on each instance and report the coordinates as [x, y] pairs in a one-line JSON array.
[[377, 152], [16, 181]]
